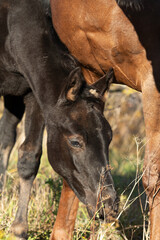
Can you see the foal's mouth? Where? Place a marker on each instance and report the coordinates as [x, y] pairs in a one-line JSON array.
[[107, 214]]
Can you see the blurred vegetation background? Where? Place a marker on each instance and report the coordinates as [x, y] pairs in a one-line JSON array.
[[123, 110]]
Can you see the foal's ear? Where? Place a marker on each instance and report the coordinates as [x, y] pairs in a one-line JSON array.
[[75, 82], [104, 82]]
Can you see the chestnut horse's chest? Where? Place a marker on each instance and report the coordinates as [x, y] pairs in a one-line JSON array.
[[109, 40]]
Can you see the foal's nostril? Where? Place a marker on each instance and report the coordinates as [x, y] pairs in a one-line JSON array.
[[110, 210], [101, 217], [116, 205]]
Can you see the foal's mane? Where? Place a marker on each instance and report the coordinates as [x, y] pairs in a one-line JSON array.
[[134, 4], [66, 60]]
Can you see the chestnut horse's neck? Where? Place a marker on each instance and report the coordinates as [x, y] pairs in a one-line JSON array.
[[107, 40]]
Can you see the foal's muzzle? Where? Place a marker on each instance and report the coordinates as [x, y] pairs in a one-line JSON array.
[[105, 210]]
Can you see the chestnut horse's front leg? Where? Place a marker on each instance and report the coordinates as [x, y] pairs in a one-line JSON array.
[[151, 177], [67, 212]]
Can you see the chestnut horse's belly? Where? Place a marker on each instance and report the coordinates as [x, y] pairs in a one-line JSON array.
[[107, 40]]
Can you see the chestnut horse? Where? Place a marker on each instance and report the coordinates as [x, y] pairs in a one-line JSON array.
[[40, 77], [123, 35]]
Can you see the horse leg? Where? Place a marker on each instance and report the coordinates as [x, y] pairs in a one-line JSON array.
[[151, 177], [67, 212], [28, 163], [11, 117]]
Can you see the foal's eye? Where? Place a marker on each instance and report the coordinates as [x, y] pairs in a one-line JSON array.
[[75, 143]]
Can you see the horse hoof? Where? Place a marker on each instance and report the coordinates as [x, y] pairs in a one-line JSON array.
[[19, 231]]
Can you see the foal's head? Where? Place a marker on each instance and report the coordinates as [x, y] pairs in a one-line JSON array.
[[79, 140]]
